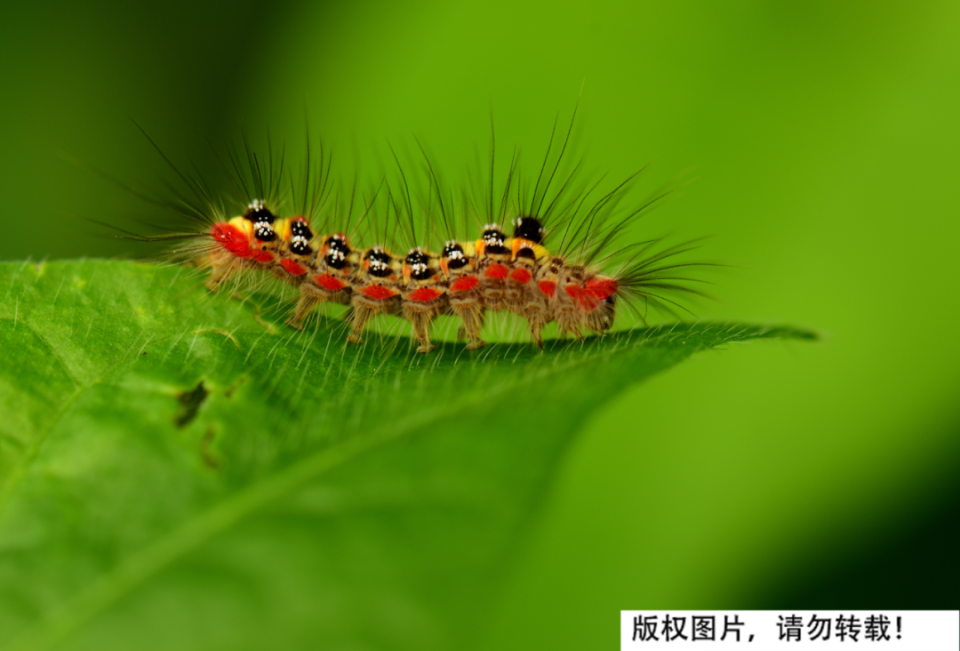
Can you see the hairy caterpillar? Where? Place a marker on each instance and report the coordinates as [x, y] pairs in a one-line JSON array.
[[417, 248]]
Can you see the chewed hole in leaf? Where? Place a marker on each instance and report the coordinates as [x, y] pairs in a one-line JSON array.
[[190, 403]]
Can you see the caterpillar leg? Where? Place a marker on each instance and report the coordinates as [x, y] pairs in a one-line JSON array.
[[472, 317], [421, 320], [569, 305], [601, 319], [310, 297], [569, 324], [359, 319], [537, 320], [365, 309], [536, 309], [220, 270]]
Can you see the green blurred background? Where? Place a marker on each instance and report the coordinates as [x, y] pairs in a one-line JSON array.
[[826, 140]]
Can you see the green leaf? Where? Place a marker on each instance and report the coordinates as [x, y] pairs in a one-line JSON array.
[[176, 470]]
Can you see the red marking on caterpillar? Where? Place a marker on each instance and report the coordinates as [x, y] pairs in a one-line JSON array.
[[464, 284], [586, 299], [424, 295], [581, 298], [496, 272], [329, 283], [378, 292], [601, 288], [231, 238], [522, 276], [293, 267], [548, 288]]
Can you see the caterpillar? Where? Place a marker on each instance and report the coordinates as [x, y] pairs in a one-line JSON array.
[[550, 254]]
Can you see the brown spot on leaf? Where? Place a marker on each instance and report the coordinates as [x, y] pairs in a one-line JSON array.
[[206, 449]]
